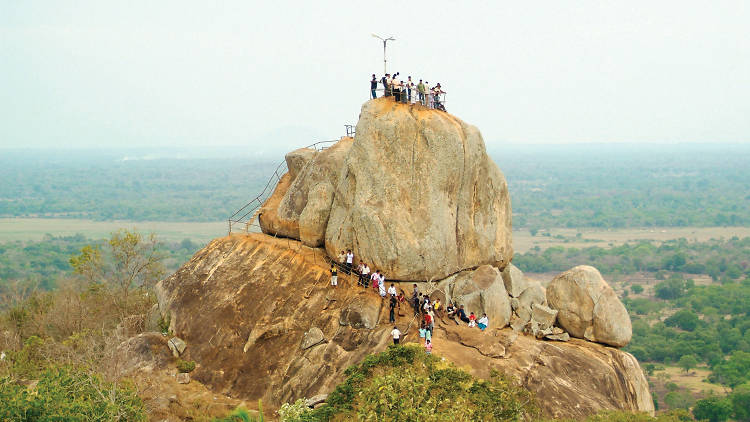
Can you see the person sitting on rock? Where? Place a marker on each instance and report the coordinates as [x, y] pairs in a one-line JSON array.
[[472, 320], [396, 335], [334, 275], [392, 290], [483, 322], [450, 311], [462, 314]]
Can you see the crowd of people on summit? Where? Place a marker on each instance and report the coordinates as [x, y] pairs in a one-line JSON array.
[[425, 308], [401, 91]]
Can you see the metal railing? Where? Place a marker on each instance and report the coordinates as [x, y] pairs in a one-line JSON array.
[[245, 218], [429, 100]]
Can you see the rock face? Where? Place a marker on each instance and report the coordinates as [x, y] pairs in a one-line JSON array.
[[515, 282], [588, 307], [300, 206], [244, 304], [570, 379], [480, 291], [418, 197]]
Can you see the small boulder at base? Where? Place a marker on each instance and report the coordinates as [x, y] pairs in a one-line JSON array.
[[362, 312], [183, 378], [558, 337], [312, 337], [543, 315], [177, 346], [588, 307]]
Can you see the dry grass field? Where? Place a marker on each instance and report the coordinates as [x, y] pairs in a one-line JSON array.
[[36, 228]]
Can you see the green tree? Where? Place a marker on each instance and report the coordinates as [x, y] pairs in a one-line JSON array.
[[740, 399], [687, 362], [678, 400], [130, 261], [636, 289], [684, 319], [713, 409]]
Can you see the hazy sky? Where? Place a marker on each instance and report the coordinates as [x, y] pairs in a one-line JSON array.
[[255, 74]]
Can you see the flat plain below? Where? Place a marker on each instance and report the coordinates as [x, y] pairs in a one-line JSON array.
[[36, 228]]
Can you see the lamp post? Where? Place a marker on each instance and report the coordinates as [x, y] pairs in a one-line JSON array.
[[385, 41]]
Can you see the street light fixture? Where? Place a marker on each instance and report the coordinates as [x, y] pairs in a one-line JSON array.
[[385, 41]]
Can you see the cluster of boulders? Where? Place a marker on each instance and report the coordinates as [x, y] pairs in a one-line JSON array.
[[416, 196]]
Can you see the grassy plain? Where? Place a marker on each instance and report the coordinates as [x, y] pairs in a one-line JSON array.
[[36, 228], [523, 240]]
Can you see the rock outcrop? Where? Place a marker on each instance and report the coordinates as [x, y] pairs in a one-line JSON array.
[[251, 307], [588, 307], [418, 197], [300, 206], [414, 194], [479, 291]]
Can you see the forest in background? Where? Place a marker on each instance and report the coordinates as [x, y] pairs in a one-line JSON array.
[[577, 186]]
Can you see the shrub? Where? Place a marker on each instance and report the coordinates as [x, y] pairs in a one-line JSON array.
[[185, 366], [67, 393]]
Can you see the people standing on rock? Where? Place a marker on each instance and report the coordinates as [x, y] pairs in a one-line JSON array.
[[428, 347], [462, 314], [403, 92], [392, 313], [349, 261], [381, 281], [381, 287], [392, 290], [401, 299], [421, 91], [396, 334], [334, 275], [373, 87], [436, 306], [437, 91], [426, 304], [429, 322], [375, 279], [342, 258], [422, 330], [472, 320], [364, 275], [396, 90], [427, 332], [427, 94], [483, 322], [415, 299], [386, 81], [409, 86]]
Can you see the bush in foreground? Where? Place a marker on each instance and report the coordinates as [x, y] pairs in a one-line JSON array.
[[404, 383]]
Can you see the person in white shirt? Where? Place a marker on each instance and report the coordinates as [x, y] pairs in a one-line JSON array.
[[381, 288], [364, 275], [483, 322], [396, 335], [375, 279], [349, 261], [392, 290]]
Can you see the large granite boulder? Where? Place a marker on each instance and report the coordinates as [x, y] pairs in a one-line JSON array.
[[301, 203], [480, 291], [515, 282], [418, 197], [588, 307]]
